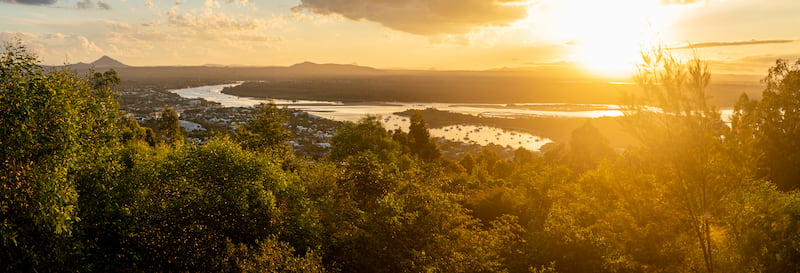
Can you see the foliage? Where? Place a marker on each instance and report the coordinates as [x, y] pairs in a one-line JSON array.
[[763, 229], [766, 130], [199, 198], [419, 139], [84, 189], [587, 147], [367, 134], [271, 255], [684, 138], [266, 130], [49, 121], [169, 127]]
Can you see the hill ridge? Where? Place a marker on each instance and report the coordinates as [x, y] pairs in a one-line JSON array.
[[105, 61]]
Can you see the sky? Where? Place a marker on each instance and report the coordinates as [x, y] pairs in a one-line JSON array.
[[602, 36]]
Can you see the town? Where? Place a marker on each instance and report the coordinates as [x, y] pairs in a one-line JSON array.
[[201, 118]]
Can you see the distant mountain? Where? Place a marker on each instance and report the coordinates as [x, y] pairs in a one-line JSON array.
[[108, 62], [314, 68], [103, 63]]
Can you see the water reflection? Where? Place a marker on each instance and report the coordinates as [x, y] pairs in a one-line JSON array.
[[473, 134], [354, 111], [214, 93], [465, 133], [484, 135]]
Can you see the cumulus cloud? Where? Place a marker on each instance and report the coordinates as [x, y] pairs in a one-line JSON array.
[[103, 5], [88, 4], [211, 4], [55, 36], [187, 35], [82, 4], [219, 27], [731, 43], [85, 4], [240, 3], [31, 2], [23, 36], [214, 22], [55, 47], [216, 26], [423, 16], [88, 45]]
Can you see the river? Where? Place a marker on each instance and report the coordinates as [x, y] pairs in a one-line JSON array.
[[464, 133]]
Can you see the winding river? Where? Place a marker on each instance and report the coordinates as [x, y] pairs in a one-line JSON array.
[[464, 133]]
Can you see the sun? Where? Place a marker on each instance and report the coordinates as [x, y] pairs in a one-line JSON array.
[[613, 54], [605, 37]]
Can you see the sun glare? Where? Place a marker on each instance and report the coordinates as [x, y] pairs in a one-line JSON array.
[[605, 37]]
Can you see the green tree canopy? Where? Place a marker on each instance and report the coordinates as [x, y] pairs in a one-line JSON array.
[[266, 130], [768, 130], [367, 134], [683, 144], [169, 126], [48, 122], [419, 139], [587, 147]]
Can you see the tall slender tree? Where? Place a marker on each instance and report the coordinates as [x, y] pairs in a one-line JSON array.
[[683, 140]]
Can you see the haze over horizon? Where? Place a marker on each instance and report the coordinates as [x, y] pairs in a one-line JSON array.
[[734, 36]]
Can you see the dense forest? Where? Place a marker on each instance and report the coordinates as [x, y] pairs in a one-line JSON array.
[[86, 189]]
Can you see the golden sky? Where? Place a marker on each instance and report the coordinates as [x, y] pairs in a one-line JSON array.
[[602, 36]]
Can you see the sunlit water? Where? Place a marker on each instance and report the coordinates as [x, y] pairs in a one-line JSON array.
[[465, 133], [214, 93]]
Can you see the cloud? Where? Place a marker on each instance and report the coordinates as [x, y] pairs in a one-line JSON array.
[[731, 43], [55, 36], [206, 22], [231, 31], [753, 65], [31, 2], [31, 41], [172, 38], [149, 4], [103, 5], [85, 4], [240, 3], [211, 4], [23, 36], [55, 47], [87, 45], [88, 4], [422, 16]]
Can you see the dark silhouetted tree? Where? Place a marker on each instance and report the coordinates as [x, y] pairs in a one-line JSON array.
[[401, 138], [467, 162], [108, 79], [587, 147], [367, 134], [266, 130], [769, 130], [169, 126], [419, 139]]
